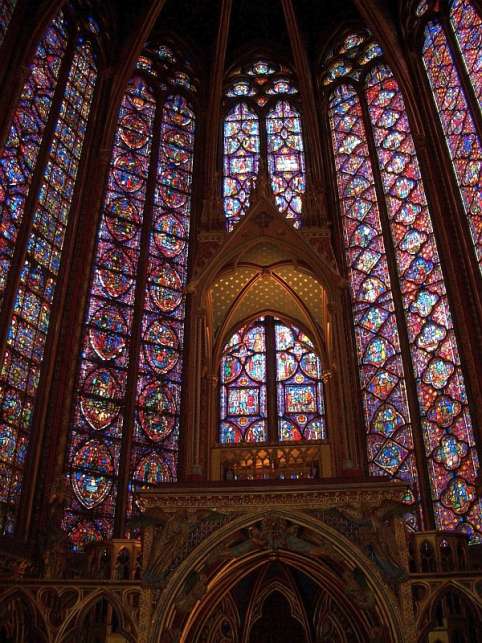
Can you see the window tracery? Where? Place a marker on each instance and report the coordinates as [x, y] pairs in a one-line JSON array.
[[262, 121], [127, 407], [424, 315], [38, 170], [271, 385]]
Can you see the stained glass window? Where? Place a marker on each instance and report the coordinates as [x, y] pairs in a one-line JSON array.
[[446, 424], [244, 412], [17, 163], [129, 384], [35, 287], [286, 159], [96, 437], [6, 12], [301, 411], [454, 110], [382, 378], [467, 26], [158, 404], [378, 113], [241, 161], [261, 115], [270, 376]]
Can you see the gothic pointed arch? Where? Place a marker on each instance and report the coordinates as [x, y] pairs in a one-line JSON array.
[[228, 555]]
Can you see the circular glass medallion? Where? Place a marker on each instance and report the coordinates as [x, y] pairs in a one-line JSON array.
[[172, 197], [310, 365], [128, 172], [115, 273], [162, 347], [122, 219], [107, 332], [256, 367], [230, 369], [157, 408], [92, 467], [176, 146], [133, 131], [169, 236], [101, 410], [165, 288]]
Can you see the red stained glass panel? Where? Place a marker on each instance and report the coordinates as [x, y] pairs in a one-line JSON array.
[[458, 125], [381, 372], [446, 423]]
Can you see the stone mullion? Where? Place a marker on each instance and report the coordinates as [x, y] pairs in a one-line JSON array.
[[136, 332], [212, 217], [26, 224], [188, 432], [412, 397], [263, 147], [345, 319], [271, 397], [313, 210]]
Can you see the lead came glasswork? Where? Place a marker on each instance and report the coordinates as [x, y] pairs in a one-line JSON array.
[[241, 161], [457, 122], [301, 409], [29, 324], [267, 93], [467, 26], [98, 415], [382, 378], [243, 405], [286, 159], [17, 164], [116, 292], [435, 358], [244, 409], [158, 405]]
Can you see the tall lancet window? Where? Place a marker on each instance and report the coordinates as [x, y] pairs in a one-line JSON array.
[[7, 7], [38, 170], [451, 55], [128, 402], [409, 364], [262, 124]]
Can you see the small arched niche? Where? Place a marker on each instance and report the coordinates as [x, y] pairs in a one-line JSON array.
[[271, 420]]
